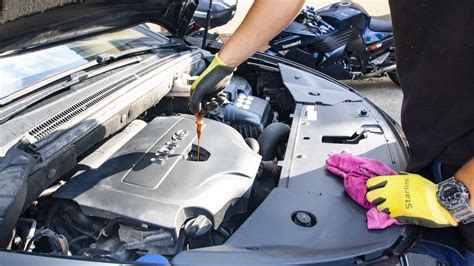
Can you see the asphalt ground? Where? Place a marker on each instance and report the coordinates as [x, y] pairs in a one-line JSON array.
[[381, 91]]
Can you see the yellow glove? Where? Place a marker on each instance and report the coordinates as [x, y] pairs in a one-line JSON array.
[[206, 89], [409, 198]]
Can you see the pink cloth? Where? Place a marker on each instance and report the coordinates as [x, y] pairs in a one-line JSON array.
[[356, 171]]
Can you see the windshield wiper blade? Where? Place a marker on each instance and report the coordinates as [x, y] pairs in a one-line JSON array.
[[6, 112], [45, 82], [19, 101], [106, 58], [100, 60]]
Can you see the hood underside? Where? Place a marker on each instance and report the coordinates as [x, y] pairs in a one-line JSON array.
[[29, 24]]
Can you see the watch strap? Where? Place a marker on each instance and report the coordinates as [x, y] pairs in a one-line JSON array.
[[463, 214]]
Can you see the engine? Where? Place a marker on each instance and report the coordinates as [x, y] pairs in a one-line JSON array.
[[143, 190], [154, 179]]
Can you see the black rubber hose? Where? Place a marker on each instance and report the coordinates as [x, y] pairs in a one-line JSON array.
[[271, 137], [51, 212], [77, 239], [113, 224], [81, 222]]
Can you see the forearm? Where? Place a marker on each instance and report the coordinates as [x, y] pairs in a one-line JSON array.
[[466, 176], [265, 19]]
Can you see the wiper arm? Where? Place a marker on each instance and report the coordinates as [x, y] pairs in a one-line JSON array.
[[45, 82], [6, 112], [100, 60], [106, 62], [106, 58]]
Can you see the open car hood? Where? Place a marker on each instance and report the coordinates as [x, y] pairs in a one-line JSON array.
[[29, 24]]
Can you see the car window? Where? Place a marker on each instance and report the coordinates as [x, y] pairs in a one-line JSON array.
[[23, 70]]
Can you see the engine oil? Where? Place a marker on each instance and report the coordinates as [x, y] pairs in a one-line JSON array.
[[199, 126]]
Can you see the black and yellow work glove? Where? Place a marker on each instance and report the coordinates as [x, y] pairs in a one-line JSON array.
[[409, 198], [206, 90]]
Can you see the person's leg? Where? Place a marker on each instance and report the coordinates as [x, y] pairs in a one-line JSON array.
[[440, 252], [469, 258]]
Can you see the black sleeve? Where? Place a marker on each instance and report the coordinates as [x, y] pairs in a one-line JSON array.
[[467, 233]]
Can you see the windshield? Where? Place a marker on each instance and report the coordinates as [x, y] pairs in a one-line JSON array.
[[20, 71]]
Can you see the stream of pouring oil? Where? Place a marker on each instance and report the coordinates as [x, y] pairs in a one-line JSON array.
[[199, 124]]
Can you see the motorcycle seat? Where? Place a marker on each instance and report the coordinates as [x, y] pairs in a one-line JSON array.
[[381, 23]]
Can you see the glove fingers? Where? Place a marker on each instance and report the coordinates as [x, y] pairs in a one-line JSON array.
[[374, 195], [377, 182], [376, 186], [207, 103], [221, 98], [194, 106], [206, 87], [195, 100], [379, 202], [210, 106], [382, 206], [212, 101]]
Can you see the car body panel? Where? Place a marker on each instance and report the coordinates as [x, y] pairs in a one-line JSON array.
[[322, 108], [269, 236]]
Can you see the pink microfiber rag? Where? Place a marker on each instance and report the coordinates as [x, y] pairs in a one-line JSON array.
[[356, 171]]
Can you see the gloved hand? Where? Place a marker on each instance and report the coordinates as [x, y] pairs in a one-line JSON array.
[[355, 171], [409, 198], [206, 90]]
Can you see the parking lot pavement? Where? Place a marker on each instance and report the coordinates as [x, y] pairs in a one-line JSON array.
[[381, 91]]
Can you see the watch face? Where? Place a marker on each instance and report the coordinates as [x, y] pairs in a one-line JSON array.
[[453, 195]]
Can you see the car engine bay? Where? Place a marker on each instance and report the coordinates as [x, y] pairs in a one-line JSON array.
[[142, 190], [158, 181], [137, 188]]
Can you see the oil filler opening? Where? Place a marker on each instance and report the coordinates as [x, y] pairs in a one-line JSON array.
[[193, 154]]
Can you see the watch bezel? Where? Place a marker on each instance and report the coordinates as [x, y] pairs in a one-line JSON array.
[[464, 198]]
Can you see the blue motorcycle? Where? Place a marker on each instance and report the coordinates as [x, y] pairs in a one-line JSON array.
[[340, 40]]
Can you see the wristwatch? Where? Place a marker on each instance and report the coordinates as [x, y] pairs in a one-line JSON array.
[[454, 196]]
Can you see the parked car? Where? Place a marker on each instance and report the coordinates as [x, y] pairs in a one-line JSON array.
[[98, 156]]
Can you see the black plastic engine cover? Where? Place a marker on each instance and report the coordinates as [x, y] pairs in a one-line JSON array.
[[153, 178]]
